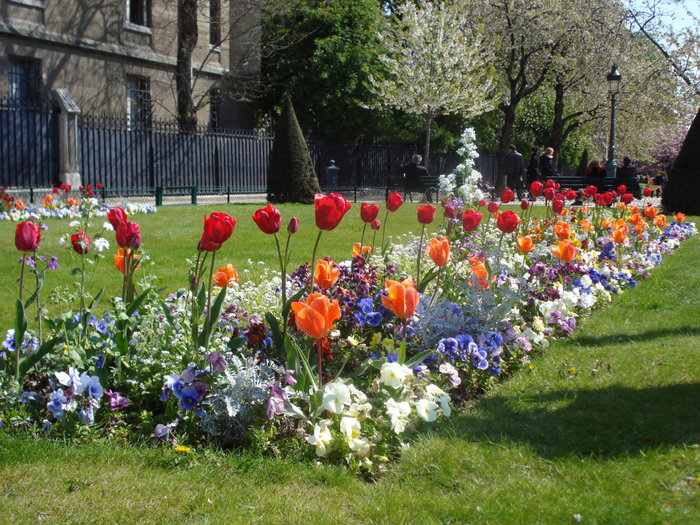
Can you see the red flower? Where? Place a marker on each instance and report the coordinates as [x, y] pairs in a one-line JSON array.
[[549, 193], [536, 189], [330, 210], [492, 207], [482, 203], [129, 235], [627, 198], [268, 219], [80, 243], [88, 187], [647, 191], [368, 212], [449, 211], [426, 213], [56, 190], [394, 201], [507, 221], [471, 220], [549, 183], [375, 224], [99, 185], [557, 205], [81, 188], [606, 198], [206, 245], [507, 196], [293, 225], [116, 216], [27, 236], [218, 227], [524, 204], [571, 195], [621, 189], [590, 191]]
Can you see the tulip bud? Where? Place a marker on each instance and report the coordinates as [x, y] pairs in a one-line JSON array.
[[375, 224], [293, 225], [482, 203], [524, 204], [493, 207]]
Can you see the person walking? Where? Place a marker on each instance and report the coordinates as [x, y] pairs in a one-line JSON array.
[[514, 171], [533, 167], [546, 168]]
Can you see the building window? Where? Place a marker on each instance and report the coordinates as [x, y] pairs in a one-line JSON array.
[[24, 80], [138, 100], [215, 22], [138, 12], [214, 109]]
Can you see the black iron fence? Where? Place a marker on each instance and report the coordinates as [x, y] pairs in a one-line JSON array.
[[128, 158]]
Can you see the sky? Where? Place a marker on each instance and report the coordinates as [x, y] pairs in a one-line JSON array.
[[677, 15]]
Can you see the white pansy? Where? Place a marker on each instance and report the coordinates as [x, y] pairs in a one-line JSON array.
[[101, 244], [398, 412], [107, 226], [586, 281], [357, 395], [321, 437], [360, 446], [74, 224], [335, 396], [394, 374], [538, 324], [439, 395], [427, 410], [350, 428]]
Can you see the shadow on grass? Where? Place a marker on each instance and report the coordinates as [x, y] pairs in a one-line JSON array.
[[612, 339], [607, 422]]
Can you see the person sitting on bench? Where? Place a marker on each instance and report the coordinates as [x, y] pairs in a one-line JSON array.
[[413, 171]]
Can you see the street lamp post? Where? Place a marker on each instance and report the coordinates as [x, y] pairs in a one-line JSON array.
[[614, 78]]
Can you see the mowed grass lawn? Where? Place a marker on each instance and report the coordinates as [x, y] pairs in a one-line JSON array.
[[604, 429]]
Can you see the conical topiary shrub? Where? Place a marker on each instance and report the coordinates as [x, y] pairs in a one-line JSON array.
[[682, 189], [290, 173]]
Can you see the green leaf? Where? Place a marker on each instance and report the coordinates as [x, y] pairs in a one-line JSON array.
[[308, 373], [20, 328], [288, 306], [402, 352], [236, 343], [275, 330], [201, 298], [425, 281], [166, 311], [28, 362], [205, 336], [418, 358], [136, 303]]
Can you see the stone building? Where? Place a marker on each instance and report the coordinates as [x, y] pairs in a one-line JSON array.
[[118, 57]]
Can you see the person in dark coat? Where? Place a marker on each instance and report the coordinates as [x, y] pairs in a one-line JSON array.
[[627, 169], [533, 167], [595, 168], [546, 169], [413, 171], [514, 170]]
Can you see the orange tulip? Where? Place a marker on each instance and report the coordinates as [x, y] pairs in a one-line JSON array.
[[439, 250], [402, 299], [315, 316], [480, 275], [19, 204], [356, 252], [605, 223], [679, 217], [619, 236], [525, 244], [650, 212], [633, 209], [119, 259], [326, 274], [634, 219], [565, 251], [48, 200], [586, 225], [225, 276], [660, 221], [621, 225], [621, 205], [562, 230]]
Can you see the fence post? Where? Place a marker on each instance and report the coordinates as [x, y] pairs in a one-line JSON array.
[[68, 172], [159, 196], [194, 194], [31, 195]]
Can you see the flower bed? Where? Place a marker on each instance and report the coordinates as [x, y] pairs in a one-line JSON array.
[[334, 361]]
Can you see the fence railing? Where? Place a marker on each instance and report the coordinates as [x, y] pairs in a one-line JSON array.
[[126, 157]]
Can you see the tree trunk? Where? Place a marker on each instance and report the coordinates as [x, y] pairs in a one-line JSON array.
[[186, 41], [426, 149], [557, 123], [506, 139]]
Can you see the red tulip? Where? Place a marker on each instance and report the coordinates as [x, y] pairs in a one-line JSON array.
[[507, 221], [293, 225], [590, 191], [647, 191], [557, 205], [330, 210], [116, 216], [549, 183], [27, 236], [218, 227], [492, 207], [536, 189], [55, 190], [627, 198], [606, 198], [394, 201], [482, 203], [426, 213], [80, 243], [375, 224], [571, 195], [99, 185], [368, 212], [129, 235], [206, 245], [471, 220], [621, 189], [524, 204], [507, 196], [268, 219], [549, 193]]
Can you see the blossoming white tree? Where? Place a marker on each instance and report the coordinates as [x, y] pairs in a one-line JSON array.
[[438, 62]]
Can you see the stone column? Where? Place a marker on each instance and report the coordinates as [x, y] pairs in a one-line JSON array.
[[68, 172]]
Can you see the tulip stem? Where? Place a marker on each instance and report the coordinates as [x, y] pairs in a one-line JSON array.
[[319, 355], [386, 217], [437, 286], [195, 315], [38, 301], [374, 238], [313, 263], [362, 238], [284, 274], [420, 252], [82, 286], [211, 275], [21, 279]]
